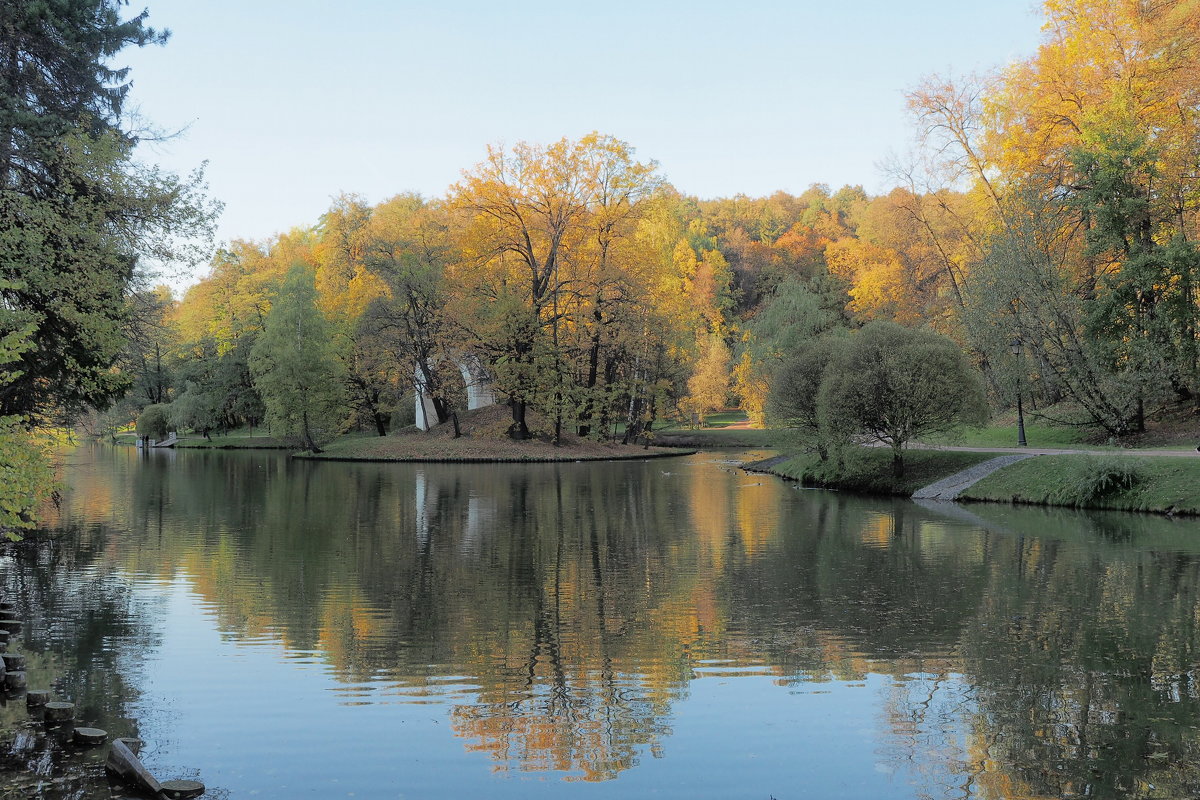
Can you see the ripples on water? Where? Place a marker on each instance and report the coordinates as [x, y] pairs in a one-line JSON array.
[[667, 628]]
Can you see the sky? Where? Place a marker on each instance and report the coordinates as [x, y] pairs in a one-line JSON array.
[[294, 102]]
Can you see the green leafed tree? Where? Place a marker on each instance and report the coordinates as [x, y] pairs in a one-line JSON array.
[[890, 385], [795, 388], [81, 219], [154, 422], [26, 475], [296, 371], [194, 408]]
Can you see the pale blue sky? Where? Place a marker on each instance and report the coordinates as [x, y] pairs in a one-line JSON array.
[[293, 102]]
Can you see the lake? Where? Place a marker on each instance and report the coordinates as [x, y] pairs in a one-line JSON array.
[[670, 628]]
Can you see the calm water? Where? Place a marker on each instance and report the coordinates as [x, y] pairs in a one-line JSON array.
[[672, 628]]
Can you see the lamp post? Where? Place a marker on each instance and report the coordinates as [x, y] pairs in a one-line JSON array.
[[1015, 349]]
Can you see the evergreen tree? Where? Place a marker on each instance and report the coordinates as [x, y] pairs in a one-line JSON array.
[[77, 212], [295, 368]]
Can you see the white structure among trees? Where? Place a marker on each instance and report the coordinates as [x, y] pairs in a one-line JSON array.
[[479, 390]]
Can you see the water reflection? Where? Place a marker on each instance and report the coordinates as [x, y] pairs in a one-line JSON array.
[[617, 621]]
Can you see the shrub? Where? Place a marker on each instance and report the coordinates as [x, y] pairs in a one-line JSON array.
[[1093, 478], [890, 384], [154, 421]]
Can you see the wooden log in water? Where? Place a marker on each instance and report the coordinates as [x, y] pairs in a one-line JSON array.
[[59, 711], [13, 661], [14, 681], [11, 625], [134, 745], [37, 697], [8, 613], [179, 790], [129, 768], [90, 736]]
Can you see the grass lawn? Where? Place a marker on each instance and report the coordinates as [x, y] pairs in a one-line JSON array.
[[1005, 435], [721, 419], [484, 438], [870, 470], [717, 437], [1169, 485]]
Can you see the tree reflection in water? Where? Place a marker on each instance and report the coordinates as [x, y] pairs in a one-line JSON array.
[[563, 612]]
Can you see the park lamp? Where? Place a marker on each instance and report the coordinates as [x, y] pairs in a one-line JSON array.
[[1015, 348]]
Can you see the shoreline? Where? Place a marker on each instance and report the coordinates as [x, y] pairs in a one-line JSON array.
[[1164, 485], [563, 459]]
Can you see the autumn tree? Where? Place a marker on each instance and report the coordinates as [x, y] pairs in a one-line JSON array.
[[544, 227], [1082, 157], [408, 247], [708, 388]]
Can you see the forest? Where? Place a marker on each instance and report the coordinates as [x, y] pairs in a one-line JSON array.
[[1043, 221]]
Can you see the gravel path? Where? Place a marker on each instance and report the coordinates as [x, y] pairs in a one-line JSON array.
[[949, 488]]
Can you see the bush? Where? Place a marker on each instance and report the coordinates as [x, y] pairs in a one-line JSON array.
[[154, 421], [26, 476], [795, 384], [1093, 478], [890, 384]]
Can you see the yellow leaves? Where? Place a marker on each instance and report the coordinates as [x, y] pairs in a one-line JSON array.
[[750, 385], [880, 285], [708, 388], [1100, 60]]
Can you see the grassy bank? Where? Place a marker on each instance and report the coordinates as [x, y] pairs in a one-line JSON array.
[[1004, 434], [430, 447], [1161, 485], [484, 437], [234, 440], [870, 470], [239, 439]]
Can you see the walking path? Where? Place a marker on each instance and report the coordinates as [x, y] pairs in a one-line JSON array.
[[1047, 451], [949, 488]]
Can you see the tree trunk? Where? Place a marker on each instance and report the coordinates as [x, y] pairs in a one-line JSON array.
[[518, 430], [557, 419], [897, 462], [649, 425], [309, 443], [593, 374]]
